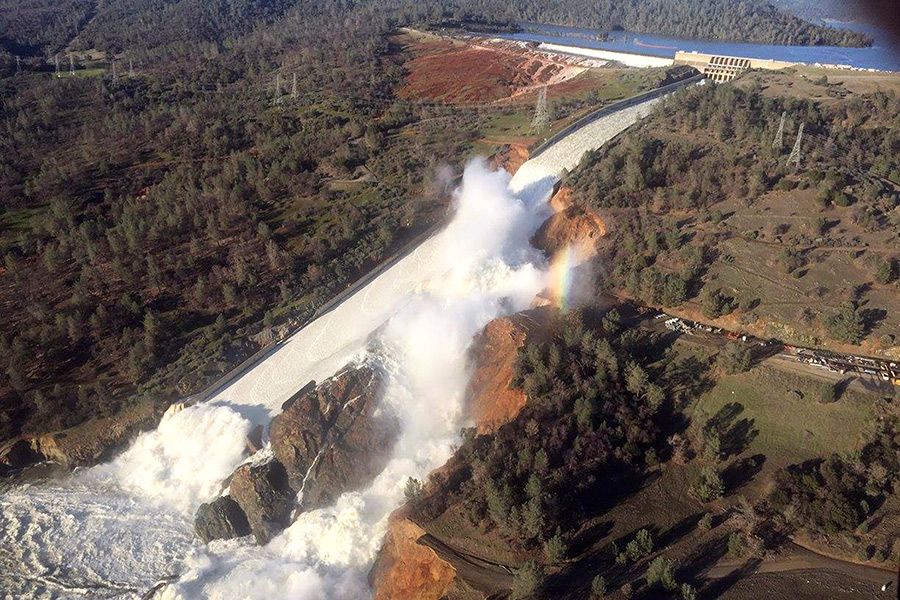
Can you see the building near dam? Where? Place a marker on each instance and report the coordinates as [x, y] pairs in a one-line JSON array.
[[726, 68]]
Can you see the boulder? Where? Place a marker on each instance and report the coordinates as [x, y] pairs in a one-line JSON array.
[[334, 439], [262, 491], [220, 519]]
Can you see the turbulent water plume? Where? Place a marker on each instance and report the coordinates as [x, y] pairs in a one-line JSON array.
[[483, 267]]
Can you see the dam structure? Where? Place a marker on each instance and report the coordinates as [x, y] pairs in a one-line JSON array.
[[721, 68], [115, 530]]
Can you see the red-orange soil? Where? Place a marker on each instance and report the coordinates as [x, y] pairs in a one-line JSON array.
[[406, 570]]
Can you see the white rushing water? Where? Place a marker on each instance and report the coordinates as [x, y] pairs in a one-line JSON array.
[[113, 530]]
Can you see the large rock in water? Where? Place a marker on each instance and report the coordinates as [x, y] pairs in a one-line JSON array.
[[222, 518], [263, 493], [334, 439]]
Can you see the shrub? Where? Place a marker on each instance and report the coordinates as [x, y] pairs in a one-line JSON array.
[[737, 545], [688, 592], [706, 521], [846, 325]]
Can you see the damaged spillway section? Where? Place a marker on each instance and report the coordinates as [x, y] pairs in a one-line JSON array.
[[329, 440], [303, 513]]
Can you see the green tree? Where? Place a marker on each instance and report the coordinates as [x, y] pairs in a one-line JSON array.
[[528, 580], [555, 548], [708, 486], [846, 325], [598, 587], [413, 490], [735, 358], [661, 573]]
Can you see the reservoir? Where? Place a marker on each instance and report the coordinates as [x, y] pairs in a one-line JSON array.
[[883, 55]]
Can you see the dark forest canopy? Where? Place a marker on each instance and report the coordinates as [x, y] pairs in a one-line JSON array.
[[30, 26]]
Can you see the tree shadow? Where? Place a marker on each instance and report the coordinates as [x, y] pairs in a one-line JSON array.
[[740, 472], [587, 538], [841, 386], [718, 587], [735, 436], [678, 530], [871, 317]]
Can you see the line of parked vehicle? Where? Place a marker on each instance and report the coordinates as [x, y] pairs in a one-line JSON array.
[[884, 369]]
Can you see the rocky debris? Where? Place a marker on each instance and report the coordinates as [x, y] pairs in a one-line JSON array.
[[490, 401], [570, 226], [328, 440], [510, 157], [263, 493], [222, 518], [407, 570], [254, 440], [334, 439], [85, 444]]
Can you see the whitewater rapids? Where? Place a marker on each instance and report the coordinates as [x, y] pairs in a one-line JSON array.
[[114, 530]]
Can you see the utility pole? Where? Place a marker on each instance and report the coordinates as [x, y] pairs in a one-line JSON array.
[[778, 143], [541, 113], [794, 158]]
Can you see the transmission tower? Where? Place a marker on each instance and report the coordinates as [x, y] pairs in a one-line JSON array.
[[18, 65], [294, 87], [130, 68], [71, 64], [56, 63], [541, 112], [277, 97], [115, 74], [778, 143], [794, 158]]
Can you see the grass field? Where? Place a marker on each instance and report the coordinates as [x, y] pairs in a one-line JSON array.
[[783, 409]]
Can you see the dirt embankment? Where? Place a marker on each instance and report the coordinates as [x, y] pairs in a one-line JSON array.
[[510, 157], [491, 402], [453, 71], [406, 569]]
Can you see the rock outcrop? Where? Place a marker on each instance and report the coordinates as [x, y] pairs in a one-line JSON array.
[[85, 444], [407, 570], [333, 439], [490, 401], [328, 440], [570, 226], [263, 493], [223, 518]]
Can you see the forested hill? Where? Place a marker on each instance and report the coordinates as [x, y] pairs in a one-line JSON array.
[[34, 26]]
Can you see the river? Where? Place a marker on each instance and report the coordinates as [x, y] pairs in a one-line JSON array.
[[883, 55]]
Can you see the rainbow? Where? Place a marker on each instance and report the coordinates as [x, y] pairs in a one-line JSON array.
[[561, 270]]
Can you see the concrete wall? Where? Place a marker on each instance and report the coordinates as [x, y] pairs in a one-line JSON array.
[[626, 58]]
